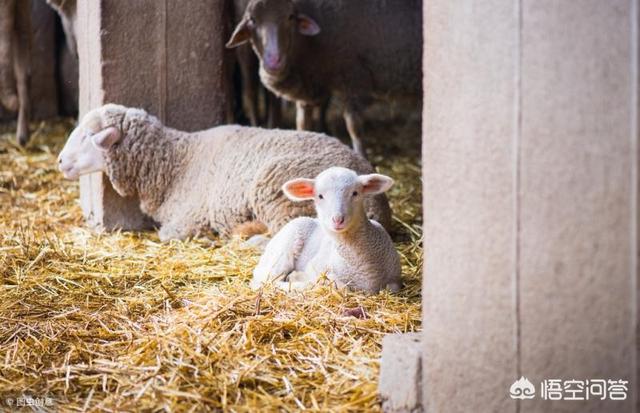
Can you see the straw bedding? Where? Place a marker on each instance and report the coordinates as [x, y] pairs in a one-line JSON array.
[[122, 322]]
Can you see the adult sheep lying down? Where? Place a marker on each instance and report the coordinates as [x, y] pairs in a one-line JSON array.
[[219, 178]]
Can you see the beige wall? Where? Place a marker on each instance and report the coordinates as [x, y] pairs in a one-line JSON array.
[[137, 53], [530, 174]]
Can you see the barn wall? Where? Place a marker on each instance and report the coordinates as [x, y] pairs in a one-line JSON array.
[[164, 56], [530, 151]]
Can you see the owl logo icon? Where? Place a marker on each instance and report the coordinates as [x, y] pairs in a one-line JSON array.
[[522, 389]]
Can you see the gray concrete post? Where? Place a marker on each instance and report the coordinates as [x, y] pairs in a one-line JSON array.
[[167, 57], [530, 157]]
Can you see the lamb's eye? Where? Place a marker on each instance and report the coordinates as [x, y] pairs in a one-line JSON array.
[[320, 196], [355, 193]]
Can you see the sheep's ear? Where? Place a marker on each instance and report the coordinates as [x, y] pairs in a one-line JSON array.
[[300, 189], [106, 138], [307, 26], [240, 35], [374, 184]]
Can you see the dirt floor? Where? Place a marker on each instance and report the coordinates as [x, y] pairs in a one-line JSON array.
[[122, 322]]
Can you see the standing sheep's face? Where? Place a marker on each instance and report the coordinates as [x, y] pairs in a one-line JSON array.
[[84, 151], [338, 194], [271, 26]]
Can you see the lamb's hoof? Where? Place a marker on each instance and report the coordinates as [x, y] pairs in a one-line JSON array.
[[297, 276], [255, 285], [258, 242]]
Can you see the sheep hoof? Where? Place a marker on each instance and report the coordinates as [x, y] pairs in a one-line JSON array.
[[23, 137]]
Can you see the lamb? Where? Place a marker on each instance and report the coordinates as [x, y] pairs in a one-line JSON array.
[[311, 50], [219, 178], [342, 242], [15, 62]]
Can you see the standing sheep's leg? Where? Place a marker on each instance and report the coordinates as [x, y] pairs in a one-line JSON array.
[[304, 116], [8, 97], [22, 67], [355, 126], [321, 113], [274, 110], [250, 82]]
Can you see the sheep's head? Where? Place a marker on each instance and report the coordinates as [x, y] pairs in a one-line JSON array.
[[85, 149], [338, 194], [271, 26]]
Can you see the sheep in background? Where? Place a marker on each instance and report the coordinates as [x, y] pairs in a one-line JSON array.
[[252, 89], [67, 10], [311, 50], [15, 62], [342, 242], [219, 178]]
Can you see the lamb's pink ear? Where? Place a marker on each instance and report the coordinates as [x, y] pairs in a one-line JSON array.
[[300, 189], [106, 138], [240, 35], [374, 184], [307, 26]]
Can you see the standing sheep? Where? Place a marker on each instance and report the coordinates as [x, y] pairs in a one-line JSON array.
[[219, 178], [311, 50], [252, 89], [342, 242], [15, 62]]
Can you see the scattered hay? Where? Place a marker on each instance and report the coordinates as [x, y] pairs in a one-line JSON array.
[[122, 322]]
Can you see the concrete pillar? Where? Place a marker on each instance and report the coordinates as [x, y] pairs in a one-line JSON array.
[[530, 157], [165, 56]]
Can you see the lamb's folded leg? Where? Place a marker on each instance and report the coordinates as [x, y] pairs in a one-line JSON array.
[[280, 255], [293, 285]]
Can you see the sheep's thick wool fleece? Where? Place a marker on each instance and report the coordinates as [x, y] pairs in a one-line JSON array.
[[220, 177]]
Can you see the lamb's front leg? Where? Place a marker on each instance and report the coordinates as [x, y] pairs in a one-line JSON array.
[[280, 255]]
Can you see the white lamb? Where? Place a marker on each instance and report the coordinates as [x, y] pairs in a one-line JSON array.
[[220, 178], [342, 242]]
